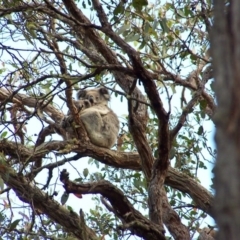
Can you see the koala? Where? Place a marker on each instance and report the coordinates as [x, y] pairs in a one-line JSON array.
[[100, 122]]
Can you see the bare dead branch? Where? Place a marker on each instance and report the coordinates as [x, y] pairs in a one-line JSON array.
[[33, 102], [190, 83], [184, 114]]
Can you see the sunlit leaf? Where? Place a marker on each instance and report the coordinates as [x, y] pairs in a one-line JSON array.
[[132, 37], [163, 24], [4, 134], [119, 9], [139, 4], [14, 224], [85, 172], [64, 198]]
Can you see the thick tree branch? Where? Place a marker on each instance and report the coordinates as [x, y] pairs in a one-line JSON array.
[[174, 179], [36, 198], [122, 207], [139, 136], [63, 68]]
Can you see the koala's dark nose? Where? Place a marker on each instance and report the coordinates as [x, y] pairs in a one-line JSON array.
[[91, 99]]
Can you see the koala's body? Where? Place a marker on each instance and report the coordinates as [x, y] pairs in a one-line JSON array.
[[100, 122]]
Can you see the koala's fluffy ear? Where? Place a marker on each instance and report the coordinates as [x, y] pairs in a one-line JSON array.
[[81, 94], [103, 91]]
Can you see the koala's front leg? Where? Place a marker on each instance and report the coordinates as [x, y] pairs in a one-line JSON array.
[[94, 125], [80, 105], [67, 121]]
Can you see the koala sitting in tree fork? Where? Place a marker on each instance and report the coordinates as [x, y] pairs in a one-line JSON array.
[[100, 122]]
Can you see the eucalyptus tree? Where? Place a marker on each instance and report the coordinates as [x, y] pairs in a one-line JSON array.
[[155, 60]]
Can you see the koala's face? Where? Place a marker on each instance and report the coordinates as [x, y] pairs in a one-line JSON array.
[[95, 96], [83, 104]]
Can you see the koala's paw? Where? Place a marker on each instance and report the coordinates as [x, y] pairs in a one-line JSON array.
[[66, 122]]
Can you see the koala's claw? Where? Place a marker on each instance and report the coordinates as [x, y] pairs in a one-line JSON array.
[[66, 122]]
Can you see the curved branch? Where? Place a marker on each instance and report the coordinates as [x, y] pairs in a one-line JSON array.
[[122, 207]]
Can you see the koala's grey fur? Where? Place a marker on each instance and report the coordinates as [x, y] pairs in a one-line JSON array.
[[100, 121]]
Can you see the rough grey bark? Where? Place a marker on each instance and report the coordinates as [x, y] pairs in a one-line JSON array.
[[226, 59]]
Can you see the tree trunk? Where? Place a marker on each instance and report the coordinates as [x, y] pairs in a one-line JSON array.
[[225, 43]]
